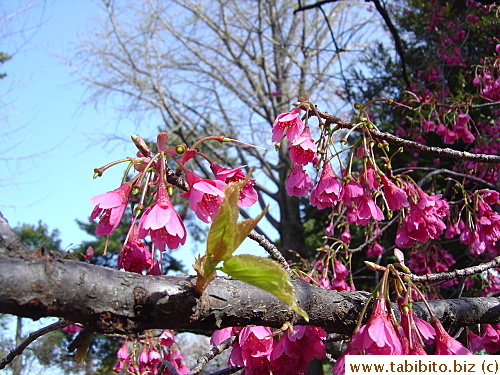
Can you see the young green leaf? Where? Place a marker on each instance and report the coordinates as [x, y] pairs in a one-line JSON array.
[[265, 274]]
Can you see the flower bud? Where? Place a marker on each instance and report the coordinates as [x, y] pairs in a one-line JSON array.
[[180, 149]]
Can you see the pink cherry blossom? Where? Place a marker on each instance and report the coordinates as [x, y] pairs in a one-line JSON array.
[[475, 342], [167, 338], [303, 149], [253, 350], [288, 123], [298, 183], [328, 190], [395, 196], [205, 196], [295, 350], [353, 190], [162, 222], [375, 250], [462, 128], [248, 195], [345, 236], [424, 219], [368, 177], [109, 207], [445, 344], [411, 331], [220, 335], [71, 329], [135, 256], [367, 209], [378, 336], [490, 339]]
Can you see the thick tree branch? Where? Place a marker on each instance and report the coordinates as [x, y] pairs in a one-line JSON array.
[[111, 301]]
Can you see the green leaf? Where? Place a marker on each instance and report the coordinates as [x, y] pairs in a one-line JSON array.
[[223, 231], [265, 274], [225, 234]]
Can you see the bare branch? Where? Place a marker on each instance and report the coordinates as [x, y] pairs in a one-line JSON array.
[[216, 350], [456, 274], [270, 248], [28, 340], [392, 139]]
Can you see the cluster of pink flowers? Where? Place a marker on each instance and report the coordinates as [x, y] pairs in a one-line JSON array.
[[433, 259], [482, 230], [145, 358], [260, 352], [424, 219], [381, 335], [159, 220], [489, 79], [330, 273], [489, 340]]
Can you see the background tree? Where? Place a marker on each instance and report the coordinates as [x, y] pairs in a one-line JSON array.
[[226, 68]]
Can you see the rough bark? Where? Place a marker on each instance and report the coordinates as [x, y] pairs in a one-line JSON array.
[[111, 301]]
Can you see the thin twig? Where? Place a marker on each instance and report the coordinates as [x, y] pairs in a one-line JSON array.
[[444, 276], [455, 274], [28, 340], [392, 139], [166, 364], [215, 351], [271, 249]]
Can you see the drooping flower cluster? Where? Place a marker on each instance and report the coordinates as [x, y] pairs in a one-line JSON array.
[[261, 352], [383, 335], [138, 358], [483, 232], [159, 220], [424, 220], [330, 273]]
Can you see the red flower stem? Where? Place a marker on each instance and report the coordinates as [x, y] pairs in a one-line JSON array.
[[219, 138], [433, 317], [243, 143], [99, 171]]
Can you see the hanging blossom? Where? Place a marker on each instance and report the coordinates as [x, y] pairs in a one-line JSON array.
[[298, 183], [293, 352], [248, 195], [395, 196], [162, 222], [433, 259], [151, 355], [260, 353], [331, 274], [303, 149], [109, 207], [445, 344], [205, 196], [289, 124], [424, 220], [486, 229], [135, 256], [252, 350], [377, 337], [491, 338], [328, 190]]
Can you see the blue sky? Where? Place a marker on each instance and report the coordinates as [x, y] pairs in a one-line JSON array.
[[54, 145]]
